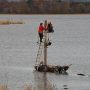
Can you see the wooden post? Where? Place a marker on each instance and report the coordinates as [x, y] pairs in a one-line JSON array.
[[45, 49]]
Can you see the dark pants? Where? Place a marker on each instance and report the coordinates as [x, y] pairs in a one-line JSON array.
[[41, 36]]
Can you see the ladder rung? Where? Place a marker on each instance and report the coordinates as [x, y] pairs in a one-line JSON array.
[[39, 52]]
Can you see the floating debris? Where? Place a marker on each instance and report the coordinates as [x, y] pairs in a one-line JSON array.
[[64, 85], [81, 74], [66, 88]]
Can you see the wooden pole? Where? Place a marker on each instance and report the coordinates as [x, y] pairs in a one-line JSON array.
[[45, 49]]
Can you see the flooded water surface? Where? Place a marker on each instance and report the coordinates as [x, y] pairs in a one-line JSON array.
[[70, 45]]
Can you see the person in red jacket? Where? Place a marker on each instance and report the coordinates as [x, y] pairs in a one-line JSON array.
[[40, 31]]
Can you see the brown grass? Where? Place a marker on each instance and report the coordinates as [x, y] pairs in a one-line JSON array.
[[51, 87], [5, 22], [3, 87], [27, 87]]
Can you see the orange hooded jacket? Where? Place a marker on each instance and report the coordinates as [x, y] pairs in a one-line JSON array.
[[41, 28]]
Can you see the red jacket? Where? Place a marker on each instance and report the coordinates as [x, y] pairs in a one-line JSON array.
[[41, 28]]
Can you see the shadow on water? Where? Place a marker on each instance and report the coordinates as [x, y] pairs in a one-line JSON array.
[[41, 82]]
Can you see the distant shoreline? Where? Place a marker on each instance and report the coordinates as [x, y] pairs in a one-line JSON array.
[[45, 14]]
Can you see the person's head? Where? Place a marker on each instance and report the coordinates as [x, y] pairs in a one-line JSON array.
[[49, 23], [45, 22], [41, 23]]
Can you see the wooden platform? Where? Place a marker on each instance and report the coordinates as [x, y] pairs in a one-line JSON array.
[[52, 68]]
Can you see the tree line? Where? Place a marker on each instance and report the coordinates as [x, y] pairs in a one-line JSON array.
[[44, 7], [57, 7]]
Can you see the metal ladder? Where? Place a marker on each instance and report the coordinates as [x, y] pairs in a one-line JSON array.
[[38, 59], [40, 51]]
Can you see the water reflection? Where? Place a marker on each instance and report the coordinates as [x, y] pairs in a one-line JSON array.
[[41, 81]]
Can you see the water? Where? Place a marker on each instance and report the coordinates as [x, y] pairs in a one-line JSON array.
[[71, 45]]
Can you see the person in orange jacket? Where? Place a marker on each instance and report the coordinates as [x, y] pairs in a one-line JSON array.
[[40, 31]]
